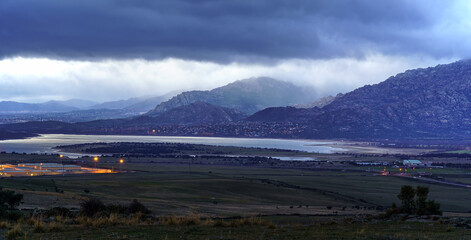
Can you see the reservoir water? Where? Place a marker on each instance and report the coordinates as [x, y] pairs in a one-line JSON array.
[[46, 142]]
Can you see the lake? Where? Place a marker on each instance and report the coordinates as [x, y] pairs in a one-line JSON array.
[[44, 143]]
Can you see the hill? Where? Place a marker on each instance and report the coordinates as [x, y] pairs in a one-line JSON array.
[[199, 113], [285, 114], [433, 102], [248, 96]]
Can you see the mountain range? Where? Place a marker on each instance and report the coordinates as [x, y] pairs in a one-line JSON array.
[[428, 103], [248, 96], [18, 107], [432, 102]]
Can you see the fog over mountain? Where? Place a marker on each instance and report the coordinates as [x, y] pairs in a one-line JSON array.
[[248, 95]]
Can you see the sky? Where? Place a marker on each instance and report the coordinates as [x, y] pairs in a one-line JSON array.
[[116, 49]]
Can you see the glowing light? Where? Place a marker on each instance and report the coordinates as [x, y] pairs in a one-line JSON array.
[[61, 156], [121, 161], [153, 131], [95, 159]]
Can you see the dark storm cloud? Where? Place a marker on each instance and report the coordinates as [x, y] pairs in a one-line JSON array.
[[217, 30]]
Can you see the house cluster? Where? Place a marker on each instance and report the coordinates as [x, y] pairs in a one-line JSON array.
[[40, 169]]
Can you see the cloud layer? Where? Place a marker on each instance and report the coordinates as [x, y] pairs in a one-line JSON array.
[[227, 31], [114, 49], [46, 79]]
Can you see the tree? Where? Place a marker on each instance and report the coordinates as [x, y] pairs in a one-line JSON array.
[[421, 201], [9, 200], [414, 201], [407, 197]]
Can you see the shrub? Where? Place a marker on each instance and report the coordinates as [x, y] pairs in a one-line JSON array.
[[137, 207], [116, 208], [92, 207]]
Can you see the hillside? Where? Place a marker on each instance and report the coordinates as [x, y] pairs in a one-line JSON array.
[[248, 96], [434, 102], [285, 114], [199, 113]]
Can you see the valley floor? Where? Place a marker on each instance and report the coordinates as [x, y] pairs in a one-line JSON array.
[[329, 198]]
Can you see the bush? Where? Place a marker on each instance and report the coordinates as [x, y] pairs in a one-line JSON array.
[[92, 207], [116, 208], [137, 207]]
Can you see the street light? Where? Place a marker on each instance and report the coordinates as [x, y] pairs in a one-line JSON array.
[[62, 163], [121, 161], [95, 159]]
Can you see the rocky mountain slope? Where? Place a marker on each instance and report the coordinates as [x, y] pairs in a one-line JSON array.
[[320, 103], [433, 102], [429, 104], [248, 96]]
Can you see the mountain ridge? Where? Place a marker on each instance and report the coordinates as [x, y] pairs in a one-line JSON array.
[[247, 95]]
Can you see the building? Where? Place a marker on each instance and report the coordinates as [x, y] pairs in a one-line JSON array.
[[413, 163]]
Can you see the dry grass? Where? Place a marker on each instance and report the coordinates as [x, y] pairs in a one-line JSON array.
[[197, 220], [112, 220], [192, 219], [251, 221], [15, 232], [4, 225], [55, 227], [39, 226]]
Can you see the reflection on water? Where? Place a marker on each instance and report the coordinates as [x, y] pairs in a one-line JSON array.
[[45, 143]]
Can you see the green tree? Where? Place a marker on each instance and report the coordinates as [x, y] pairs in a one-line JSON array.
[[421, 200], [414, 201], [9, 200], [407, 195]]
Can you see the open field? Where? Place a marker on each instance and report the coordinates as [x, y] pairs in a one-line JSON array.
[[389, 230], [301, 199], [230, 190]]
